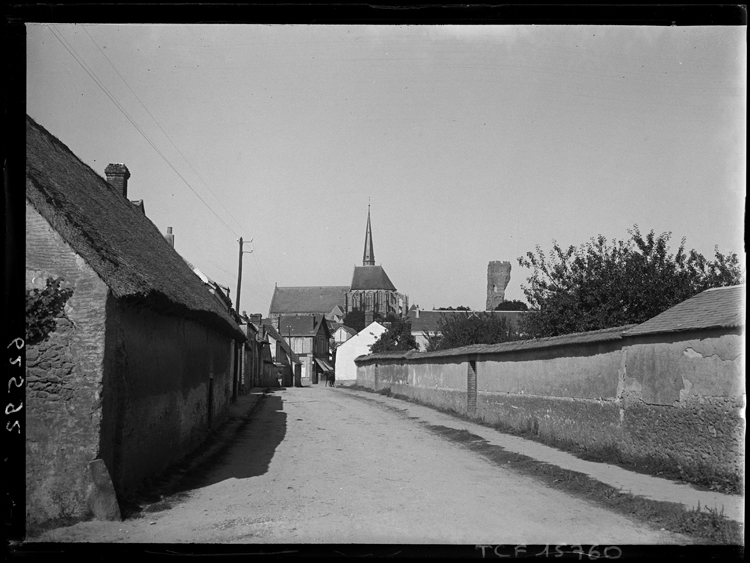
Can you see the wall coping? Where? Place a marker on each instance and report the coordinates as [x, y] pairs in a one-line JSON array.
[[603, 335]]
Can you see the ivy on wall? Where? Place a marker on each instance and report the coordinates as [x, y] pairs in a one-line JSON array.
[[43, 307]]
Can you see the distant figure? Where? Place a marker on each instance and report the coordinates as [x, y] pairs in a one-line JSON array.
[[331, 379]]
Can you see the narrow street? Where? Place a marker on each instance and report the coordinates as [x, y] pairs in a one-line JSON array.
[[330, 465]]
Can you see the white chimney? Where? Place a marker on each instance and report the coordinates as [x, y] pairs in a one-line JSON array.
[[169, 236]]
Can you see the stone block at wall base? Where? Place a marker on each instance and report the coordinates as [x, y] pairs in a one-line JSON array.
[[101, 497]]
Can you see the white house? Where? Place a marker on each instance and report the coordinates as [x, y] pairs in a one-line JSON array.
[[346, 370]]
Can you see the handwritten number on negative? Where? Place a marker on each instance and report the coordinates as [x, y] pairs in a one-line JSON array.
[[14, 382]]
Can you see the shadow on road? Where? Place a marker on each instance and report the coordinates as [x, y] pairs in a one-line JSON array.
[[238, 452], [247, 452]]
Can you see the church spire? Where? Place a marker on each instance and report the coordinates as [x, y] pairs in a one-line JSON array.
[[369, 255]]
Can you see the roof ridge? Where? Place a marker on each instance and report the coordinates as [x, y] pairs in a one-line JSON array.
[[724, 287], [307, 286]]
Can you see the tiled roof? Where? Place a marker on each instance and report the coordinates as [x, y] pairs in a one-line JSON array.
[[299, 325], [271, 331], [371, 277], [604, 335], [428, 320], [720, 307], [113, 236], [347, 329], [305, 325], [315, 299]]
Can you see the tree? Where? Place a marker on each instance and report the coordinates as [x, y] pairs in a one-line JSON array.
[[44, 307], [355, 319], [459, 308], [512, 305], [432, 340], [398, 337], [601, 285], [465, 329]]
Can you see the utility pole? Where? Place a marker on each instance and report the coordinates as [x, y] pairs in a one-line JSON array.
[[239, 273], [239, 347]]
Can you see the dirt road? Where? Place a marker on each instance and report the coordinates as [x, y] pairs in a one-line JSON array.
[[323, 465]]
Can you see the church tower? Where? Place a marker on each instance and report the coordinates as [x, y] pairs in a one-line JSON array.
[[371, 290], [369, 256]]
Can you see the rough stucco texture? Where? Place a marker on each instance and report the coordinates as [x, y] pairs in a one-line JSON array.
[[704, 434], [162, 374], [64, 378], [672, 367], [589, 371], [583, 421]]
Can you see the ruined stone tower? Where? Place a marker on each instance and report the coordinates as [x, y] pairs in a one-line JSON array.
[[498, 276]]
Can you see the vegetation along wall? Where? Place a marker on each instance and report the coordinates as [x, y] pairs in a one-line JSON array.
[[64, 357], [672, 399]]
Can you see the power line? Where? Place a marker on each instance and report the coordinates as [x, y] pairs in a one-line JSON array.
[[91, 73], [160, 127], [262, 276], [58, 35]]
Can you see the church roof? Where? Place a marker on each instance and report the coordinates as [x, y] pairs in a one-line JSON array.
[[371, 277], [307, 300]]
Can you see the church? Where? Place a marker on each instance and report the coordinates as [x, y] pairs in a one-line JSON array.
[[370, 290]]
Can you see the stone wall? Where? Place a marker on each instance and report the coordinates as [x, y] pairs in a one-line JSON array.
[[64, 383], [675, 398]]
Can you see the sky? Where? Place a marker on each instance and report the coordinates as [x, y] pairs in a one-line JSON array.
[[469, 143]]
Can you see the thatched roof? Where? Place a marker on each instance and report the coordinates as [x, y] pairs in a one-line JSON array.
[[113, 236]]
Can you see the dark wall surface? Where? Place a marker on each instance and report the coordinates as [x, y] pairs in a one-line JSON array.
[[168, 380]]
